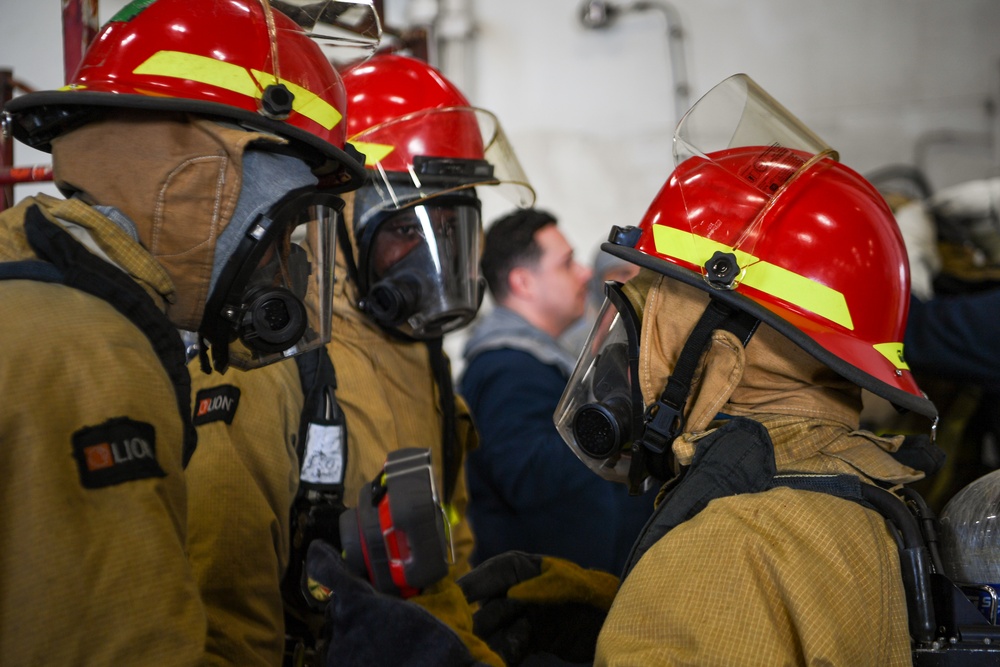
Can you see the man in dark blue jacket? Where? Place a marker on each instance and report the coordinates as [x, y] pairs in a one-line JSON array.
[[956, 337], [528, 491]]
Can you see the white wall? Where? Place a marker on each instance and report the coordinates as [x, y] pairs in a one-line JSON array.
[[591, 113]]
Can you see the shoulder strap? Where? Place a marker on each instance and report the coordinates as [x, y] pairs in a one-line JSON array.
[[319, 501], [322, 441], [736, 458], [451, 452], [67, 262], [739, 458], [30, 269]]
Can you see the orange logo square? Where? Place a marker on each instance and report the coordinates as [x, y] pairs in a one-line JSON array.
[[98, 456]]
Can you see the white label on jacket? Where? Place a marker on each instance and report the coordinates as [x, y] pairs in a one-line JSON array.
[[323, 462]]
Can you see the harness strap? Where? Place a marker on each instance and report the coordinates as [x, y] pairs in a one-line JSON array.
[[451, 453], [665, 418], [738, 458]]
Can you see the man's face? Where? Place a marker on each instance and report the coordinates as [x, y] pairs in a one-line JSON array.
[[408, 228], [561, 282]]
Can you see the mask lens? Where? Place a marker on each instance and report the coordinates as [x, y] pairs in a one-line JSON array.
[[424, 268], [601, 408], [278, 303]]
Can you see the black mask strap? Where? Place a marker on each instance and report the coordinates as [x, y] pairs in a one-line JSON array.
[[664, 420]]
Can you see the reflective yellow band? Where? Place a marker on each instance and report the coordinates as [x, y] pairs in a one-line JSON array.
[[454, 518], [237, 79], [764, 276], [374, 153], [894, 353]]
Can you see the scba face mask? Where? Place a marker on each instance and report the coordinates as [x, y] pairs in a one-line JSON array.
[[421, 266], [600, 414], [270, 295]]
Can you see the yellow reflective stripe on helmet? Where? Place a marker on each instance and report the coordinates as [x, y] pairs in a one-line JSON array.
[[764, 276], [237, 79], [374, 153], [894, 353]]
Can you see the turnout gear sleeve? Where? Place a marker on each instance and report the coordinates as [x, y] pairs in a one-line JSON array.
[[532, 604], [93, 567], [241, 483]]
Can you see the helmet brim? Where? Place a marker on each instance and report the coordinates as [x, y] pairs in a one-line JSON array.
[[65, 114]]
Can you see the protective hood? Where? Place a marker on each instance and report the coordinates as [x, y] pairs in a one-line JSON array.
[[180, 189], [771, 375]]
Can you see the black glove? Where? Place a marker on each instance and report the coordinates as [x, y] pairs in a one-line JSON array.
[[367, 628], [532, 605]]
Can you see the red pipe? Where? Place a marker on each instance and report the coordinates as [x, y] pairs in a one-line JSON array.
[[80, 26], [25, 174]]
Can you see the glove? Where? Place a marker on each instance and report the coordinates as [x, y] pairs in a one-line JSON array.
[[367, 628], [533, 604], [447, 603]]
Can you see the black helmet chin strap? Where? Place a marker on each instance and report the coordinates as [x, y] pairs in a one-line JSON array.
[[664, 420], [451, 452]]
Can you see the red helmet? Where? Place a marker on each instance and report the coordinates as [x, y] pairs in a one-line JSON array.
[[238, 60], [408, 94], [428, 155], [777, 227], [406, 117]]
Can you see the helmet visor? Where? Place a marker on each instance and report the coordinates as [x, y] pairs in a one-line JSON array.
[[437, 151], [347, 31], [746, 138]]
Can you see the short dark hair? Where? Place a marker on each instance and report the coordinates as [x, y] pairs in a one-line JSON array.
[[510, 243]]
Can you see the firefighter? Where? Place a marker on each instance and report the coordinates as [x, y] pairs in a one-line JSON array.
[[773, 287], [189, 146], [410, 259]]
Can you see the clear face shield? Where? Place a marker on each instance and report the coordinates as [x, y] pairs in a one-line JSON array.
[[272, 299], [600, 414], [417, 221], [739, 131], [347, 31], [423, 267], [437, 151]]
